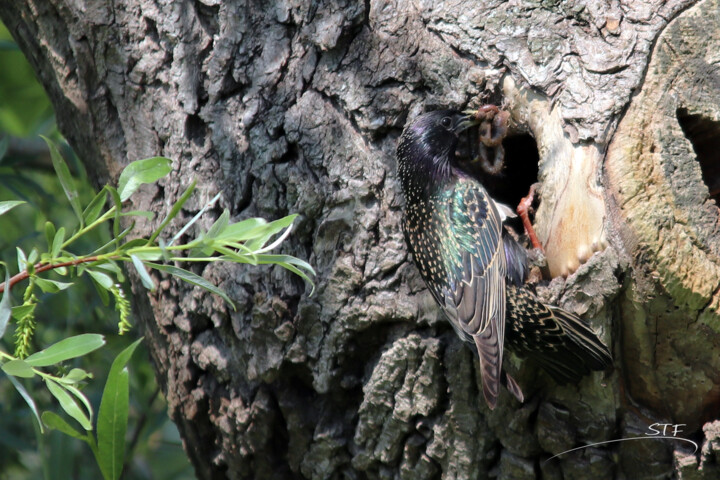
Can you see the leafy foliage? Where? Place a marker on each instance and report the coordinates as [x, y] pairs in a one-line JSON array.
[[25, 108], [28, 182], [43, 240], [246, 242]]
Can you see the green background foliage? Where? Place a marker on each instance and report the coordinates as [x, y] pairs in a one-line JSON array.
[[152, 443]]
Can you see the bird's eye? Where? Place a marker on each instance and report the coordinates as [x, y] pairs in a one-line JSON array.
[[446, 122]]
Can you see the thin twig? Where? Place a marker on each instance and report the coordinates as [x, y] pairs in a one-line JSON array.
[[39, 268]]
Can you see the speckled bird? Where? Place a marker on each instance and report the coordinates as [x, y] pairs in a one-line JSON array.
[[475, 269]]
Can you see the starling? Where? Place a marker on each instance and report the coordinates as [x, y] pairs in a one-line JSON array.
[[475, 269]]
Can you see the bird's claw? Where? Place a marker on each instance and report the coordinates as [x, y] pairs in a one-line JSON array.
[[523, 210]]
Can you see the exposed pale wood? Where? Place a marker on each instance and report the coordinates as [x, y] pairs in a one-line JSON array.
[[570, 221], [668, 223]]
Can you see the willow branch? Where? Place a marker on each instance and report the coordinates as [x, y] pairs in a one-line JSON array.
[[39, 268]]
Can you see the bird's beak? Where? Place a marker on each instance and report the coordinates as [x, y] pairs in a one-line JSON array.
[[470, 120]]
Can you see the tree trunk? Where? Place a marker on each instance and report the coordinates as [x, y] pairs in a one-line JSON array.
[[288, 107]]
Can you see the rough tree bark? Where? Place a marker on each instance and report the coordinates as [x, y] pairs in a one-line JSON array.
[[287, 106]]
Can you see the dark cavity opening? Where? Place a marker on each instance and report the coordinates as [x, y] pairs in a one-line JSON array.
[[195, 129], [704, 134], [521, 169]]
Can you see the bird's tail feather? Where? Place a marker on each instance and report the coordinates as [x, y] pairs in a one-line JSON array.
[[490, 353], [512, 387], [560, 342], [596, 354]]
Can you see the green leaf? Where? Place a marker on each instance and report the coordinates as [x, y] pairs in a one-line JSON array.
[[173, 212], [242, 231], [32, 258], [21, 311], [21, 260], [68, 403], [138, 172], [299, 273], [80, 269], [164, 253], [66, 349], [234, 256], [146, 280], [80, 396], [113, 422], [116, 219], [51, 286], [49, 234], [54, 421], [9, 205], [113, 415], [18, 368], [103, 292], [291, 263], [134, 243], [139, 213], [5, 309], [58, 242], [112, 267], [280, 259], [66, 179], [28, 399], [103, 279], [194, 219], [109, 266], [193, 279], [270, 229], [116, 239], [147, 256], [199, 250], [76, 375], [220, 224], [92, 211]]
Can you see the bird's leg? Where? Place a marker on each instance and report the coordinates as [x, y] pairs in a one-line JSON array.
[[522, 210]]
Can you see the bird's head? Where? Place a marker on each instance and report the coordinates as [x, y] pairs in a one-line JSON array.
[[426, 151]]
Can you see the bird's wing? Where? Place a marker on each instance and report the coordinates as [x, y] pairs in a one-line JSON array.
[[563, 344], [476, 294]]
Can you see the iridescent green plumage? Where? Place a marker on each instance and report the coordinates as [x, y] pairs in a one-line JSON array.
[[455, 240], [473, 270]]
